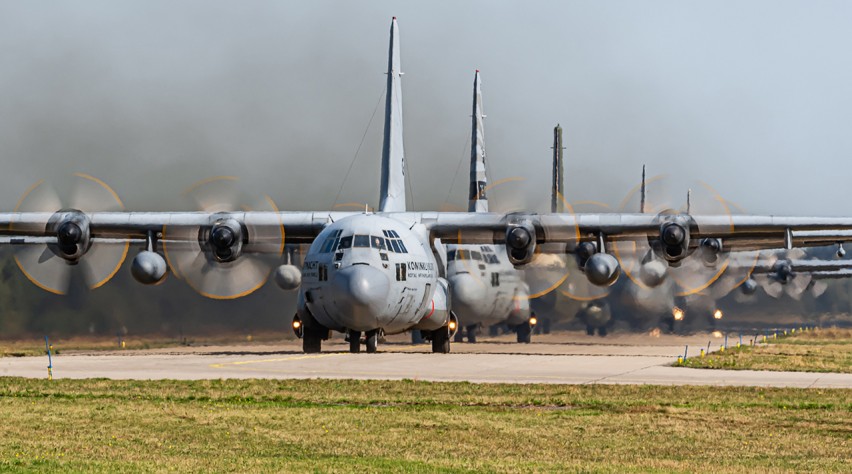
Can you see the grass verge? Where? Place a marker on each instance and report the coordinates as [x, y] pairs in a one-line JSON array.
[[393, 426], [33, 346], [817, 350]]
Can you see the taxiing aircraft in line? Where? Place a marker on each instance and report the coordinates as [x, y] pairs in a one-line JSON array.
[[378, 272]]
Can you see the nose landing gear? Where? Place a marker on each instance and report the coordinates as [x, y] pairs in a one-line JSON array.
[[371, 340]]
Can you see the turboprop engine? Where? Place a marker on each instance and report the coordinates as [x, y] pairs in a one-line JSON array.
[[520, 243], [674, 241], [224, 239], [72, 234]]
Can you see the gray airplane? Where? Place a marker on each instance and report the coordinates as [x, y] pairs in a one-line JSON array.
[[486, 288], [372, 272]]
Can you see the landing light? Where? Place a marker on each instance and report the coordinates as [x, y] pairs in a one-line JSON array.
[[452, 325], [533, 320], [717, 314], [677, 313], [297, 324]]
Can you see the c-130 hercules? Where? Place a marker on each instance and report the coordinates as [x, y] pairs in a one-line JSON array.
[[370, 272]]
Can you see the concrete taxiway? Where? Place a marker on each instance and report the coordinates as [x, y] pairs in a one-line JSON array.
[[555, 359]]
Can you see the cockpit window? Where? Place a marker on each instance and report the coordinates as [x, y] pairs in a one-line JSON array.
[[474, 255], [377, 242], [451, 255], [362, 241], [330, 243], [345, 242]]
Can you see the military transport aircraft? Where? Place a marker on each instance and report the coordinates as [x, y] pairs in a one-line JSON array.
[[485, 287], [369, 272]]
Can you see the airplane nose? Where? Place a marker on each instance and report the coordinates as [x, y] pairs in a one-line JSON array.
[[467, 290], [362, 295]]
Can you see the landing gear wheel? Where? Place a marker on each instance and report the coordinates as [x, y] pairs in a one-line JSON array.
[[311, 344], [313, 335], [458, 337], [524, 333], [441, 340], [416, 336], [590, 330], [545, 325], [354, 342], [602, 331], [372, 340], [471, 333]]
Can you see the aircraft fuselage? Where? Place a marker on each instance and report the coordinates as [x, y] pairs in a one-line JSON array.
[[369, 272]]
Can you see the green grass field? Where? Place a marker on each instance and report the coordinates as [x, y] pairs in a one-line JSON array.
[[33, 346], [818, 350], [382, 426]]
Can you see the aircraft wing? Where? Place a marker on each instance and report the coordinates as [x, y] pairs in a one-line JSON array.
[[737, 232], [229, 254]]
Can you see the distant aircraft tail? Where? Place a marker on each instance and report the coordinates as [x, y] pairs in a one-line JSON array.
[[393, 156], [477, 200], [557, 192]]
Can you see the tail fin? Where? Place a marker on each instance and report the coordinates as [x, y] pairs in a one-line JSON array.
[[557, 192], [393, 156], [477, 201]]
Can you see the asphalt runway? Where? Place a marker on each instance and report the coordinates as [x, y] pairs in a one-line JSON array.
[[567, 358]]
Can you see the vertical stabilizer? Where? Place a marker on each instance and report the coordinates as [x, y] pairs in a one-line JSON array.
[[393, 156], [477, 200], [557, 192]]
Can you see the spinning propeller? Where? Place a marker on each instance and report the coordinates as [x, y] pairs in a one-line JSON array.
[[63, 219], [693, 266], [234, 253]]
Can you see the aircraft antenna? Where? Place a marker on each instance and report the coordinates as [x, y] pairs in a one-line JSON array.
[[358, 150], [642, 193]]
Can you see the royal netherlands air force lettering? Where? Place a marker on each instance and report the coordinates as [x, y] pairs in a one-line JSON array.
[[421, 269]]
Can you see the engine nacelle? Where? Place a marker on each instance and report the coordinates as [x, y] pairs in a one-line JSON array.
[[710, 250], [584, 252], [749, 286], [520, 243], [223, 240], [73, 236], [288, 277], [674, 241], [602, 269], [782, 271], [148, 268]]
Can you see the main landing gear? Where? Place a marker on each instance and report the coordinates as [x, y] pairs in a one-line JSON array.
[[311, 332], [525, 329], [442, 336]]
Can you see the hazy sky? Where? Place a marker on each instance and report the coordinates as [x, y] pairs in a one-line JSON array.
[[752, 97]]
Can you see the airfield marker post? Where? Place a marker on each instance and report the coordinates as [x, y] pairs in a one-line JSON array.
[[685, 351], [708, 346], [49, 359], [726, 340]]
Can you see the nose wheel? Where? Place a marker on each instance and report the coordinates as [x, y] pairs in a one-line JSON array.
[[371, 340]]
